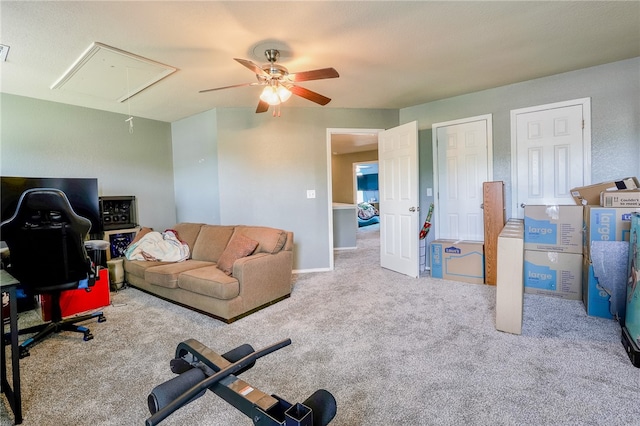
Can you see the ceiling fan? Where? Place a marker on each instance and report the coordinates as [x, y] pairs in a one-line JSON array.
[[279, 84]]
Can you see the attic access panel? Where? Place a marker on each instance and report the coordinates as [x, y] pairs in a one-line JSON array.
[[108, 73]]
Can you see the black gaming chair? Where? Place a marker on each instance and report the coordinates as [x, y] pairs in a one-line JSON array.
[[47, 255]]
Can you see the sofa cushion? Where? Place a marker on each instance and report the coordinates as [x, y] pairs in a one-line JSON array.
[[211, 242], [270, 240], [188, 233], [167, 275], [210, 281], [239, 246], [137, 267]]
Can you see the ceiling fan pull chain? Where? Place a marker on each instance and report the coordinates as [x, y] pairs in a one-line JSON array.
[[130, 119]]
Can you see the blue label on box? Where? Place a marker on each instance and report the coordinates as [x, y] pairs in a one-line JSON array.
[[603, 225], [597, 298], [539, 276], [436, 260], [540, 231]]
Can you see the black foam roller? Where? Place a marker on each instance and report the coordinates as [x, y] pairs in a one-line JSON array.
[[237, 354], [179, 366], [323, 405], [166, 392]]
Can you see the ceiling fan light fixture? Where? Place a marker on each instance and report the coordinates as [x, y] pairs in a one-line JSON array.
[[283, 93], [275, 94], [270, 96]]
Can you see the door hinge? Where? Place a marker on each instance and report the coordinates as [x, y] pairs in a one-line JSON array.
[[582, 124]]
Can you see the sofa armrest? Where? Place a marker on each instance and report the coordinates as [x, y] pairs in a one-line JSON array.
[[264, 277]]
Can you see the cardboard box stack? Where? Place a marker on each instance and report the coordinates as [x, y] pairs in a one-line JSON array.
[[590, 194], [608, 208], [602, 224], [458, 260], [553, 250]]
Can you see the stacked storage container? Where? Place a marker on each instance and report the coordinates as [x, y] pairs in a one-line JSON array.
[[605, 225], [553, 250], [608, 208]]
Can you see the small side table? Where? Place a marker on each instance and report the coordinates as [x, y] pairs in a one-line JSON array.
[[9, 284], [116, 273]]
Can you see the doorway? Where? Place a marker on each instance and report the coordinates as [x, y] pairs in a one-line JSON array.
[[365, 183], [399, 209], [346, 147]]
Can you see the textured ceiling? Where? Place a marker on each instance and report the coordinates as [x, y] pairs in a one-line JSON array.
[[389, 54]]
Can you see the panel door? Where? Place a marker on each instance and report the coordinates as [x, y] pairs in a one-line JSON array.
[[550, 155], [398, 176], [462, 152]]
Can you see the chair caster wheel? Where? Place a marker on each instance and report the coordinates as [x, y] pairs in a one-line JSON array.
[[87, 336], [24, 352], [102, 318]]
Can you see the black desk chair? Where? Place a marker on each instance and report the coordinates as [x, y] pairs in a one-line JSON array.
[[47, 255]]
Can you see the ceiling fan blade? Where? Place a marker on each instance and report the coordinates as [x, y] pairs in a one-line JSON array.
[[310, 95], [253, 67], [229, 87], [314, 75], [262, 107]]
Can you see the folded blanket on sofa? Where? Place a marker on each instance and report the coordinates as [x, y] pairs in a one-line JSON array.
[[156, 246]]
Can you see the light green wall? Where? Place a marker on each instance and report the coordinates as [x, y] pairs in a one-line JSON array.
[[268, 163], [48, 139], [195, 168], [614, 90]]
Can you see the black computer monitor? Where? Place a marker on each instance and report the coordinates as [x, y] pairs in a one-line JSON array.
[[81, 192]]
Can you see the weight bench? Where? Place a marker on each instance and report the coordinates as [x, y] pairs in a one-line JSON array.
[[200, 368]]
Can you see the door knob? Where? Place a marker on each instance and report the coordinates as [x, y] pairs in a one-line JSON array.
[[522, 205], [412, 209]]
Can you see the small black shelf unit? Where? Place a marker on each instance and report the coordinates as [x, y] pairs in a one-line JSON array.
[[118, 212]]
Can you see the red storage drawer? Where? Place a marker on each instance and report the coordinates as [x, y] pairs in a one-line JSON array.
[[80, 300]]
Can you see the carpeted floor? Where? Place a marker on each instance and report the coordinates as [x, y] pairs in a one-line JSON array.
[[391, 349]]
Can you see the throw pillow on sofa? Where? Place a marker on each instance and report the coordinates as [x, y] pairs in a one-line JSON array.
[[239, 246]]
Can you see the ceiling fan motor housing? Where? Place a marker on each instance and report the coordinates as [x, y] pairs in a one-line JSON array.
[[272, 55], [276, 71]]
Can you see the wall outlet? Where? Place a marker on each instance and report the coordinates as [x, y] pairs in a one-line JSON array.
[[311, 193]]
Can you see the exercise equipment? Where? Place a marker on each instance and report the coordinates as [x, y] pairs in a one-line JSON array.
[[199, 368]]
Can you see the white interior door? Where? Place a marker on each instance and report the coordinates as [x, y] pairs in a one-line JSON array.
[[550, 146], [399, 211], [462, 162]]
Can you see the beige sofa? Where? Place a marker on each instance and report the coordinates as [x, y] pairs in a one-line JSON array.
[[256, 281]]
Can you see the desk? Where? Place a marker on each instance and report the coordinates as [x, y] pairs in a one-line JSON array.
[[9, 284]]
